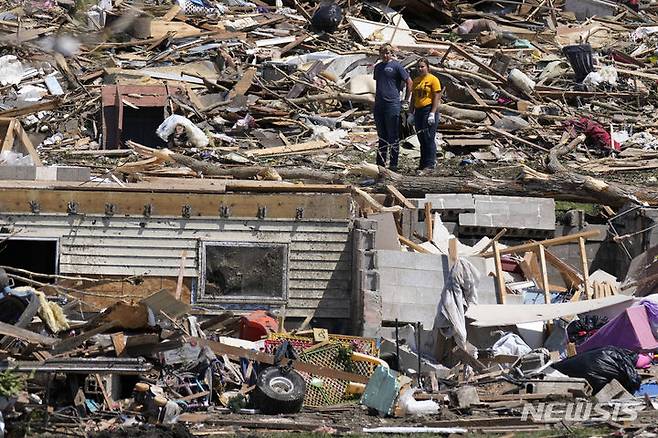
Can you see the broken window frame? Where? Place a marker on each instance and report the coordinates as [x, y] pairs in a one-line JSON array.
[[9, 237], [206, 300]]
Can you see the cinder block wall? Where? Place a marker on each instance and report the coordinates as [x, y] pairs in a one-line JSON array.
[[366, 305]]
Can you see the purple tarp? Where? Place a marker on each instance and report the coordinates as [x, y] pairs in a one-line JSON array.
[[631, 330]]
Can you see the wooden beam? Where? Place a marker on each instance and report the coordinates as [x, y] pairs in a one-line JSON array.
[[278, 205], [25, 335], [496, 238], [475, 61], [585, 266], [413, 245], [569, 274], [531, 246], [453, 252], [171, 13], [530, 267], [516, 138], [399, 196], [500, 280], [544, 274], [289, 150]]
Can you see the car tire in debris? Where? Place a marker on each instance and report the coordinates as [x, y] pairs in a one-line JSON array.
[[279, 393]]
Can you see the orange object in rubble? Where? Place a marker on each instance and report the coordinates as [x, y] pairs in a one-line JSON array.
[[257, 325]]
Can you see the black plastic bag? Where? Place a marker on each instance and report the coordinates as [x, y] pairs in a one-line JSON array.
[[601, 366], [583, 328], [327, 18]]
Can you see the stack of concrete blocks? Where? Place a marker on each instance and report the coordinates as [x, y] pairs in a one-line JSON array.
[[45, 173], [484, 214], [410, 285], [367, 308]]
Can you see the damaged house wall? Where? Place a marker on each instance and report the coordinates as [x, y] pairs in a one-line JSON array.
[[316, 253]]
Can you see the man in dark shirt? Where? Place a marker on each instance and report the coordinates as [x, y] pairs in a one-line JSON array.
[[390, 78]]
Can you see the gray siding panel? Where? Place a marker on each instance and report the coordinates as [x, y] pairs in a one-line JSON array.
[[319, 263]]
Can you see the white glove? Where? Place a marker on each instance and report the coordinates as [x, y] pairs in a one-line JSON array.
[[410, 119], [404, 105], [431, 119]]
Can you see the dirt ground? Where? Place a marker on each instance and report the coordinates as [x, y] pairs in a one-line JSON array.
[[351, 421]]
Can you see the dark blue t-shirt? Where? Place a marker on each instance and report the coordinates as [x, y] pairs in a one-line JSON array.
[[389, 77]]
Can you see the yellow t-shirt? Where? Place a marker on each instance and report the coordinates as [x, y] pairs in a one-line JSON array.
[[424, 88]]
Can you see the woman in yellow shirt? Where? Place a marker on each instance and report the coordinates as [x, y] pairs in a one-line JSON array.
[[426, 96]]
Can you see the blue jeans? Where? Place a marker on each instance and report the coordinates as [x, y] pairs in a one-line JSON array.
[[387, 120], [426, 136]]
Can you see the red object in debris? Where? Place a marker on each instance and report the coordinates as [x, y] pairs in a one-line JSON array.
[[256, 325], [596, 134], [508, 264]]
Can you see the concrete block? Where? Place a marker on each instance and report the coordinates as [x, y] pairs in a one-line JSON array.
[[387, 233], [464, 397], [566, 387], [18, 172], [612, 391], [399, 259], [72, 173], [365, 224], [406, 312], [447, 201], [510, 212], [46, 173], [372, 313], [367, 280]]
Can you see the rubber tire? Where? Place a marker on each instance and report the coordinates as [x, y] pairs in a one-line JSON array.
[[269, 401]]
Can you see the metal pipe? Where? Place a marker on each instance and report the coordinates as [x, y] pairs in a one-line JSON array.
[[418, 328], [397, 346]]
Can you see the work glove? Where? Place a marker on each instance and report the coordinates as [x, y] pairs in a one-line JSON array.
[[431, 119], [410, 119], [404, 105]]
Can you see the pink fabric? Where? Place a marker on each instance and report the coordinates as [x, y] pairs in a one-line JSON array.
[[643, 361]]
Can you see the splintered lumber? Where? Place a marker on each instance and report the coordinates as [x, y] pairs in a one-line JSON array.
[[399, 196], [569, 274], [496, 238], [501, 289], [25, 335], [561, 185], [243, 84], [289, 150], [549, 242], [413, 245], [242, 172], [585, 266], [544, 273], [516, 138]]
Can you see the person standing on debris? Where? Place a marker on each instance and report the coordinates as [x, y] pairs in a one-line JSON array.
[[426, 96], [390, 78]]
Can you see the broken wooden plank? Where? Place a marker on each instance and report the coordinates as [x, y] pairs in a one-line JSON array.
[[289, 150], [413, 245], [399, 196], [25, 335], [548, 242], [501, 290]]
